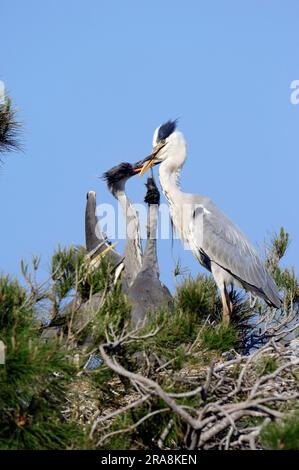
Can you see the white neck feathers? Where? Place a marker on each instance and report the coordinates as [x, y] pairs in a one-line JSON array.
[[170, 168]]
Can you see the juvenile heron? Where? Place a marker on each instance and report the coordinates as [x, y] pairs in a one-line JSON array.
[[116, 179], [83, 308], [91, 239], [147, 293], [215, 241], [142, 278], [95, 241]]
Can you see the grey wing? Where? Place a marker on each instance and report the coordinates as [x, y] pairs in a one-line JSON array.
[[216, 236]]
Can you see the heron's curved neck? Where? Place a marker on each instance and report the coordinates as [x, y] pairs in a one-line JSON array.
[[132, 220], [124, 202], [169, 173], [133, 251], [150, 260], [170, 182]]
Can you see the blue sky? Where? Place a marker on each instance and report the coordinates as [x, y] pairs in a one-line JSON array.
[[94, 78]]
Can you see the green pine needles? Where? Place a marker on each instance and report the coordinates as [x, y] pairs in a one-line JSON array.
[[9, 128], [33, 380], [48, 398]]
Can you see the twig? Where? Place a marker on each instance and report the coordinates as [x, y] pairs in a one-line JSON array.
[[116, 413], [165, 433], [132, 427]]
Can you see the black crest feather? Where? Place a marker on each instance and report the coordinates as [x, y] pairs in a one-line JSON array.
[[166, 129], [118, 173], [152, 196]]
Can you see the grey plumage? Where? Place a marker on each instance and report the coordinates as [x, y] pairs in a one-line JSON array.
[[142, 283], [91, 239], [215, 241], [94, 238], [147, 293], [116, 179], [96, 243], [223, 243]]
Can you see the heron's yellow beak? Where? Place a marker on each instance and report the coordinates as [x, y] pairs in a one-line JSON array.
[[94, 262], [151, 159]]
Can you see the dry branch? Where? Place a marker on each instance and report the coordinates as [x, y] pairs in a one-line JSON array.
[[228, 392]]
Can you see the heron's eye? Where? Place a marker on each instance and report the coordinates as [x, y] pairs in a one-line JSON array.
[[163, 141]]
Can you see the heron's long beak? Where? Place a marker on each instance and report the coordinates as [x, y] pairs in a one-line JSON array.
[[151, 159]]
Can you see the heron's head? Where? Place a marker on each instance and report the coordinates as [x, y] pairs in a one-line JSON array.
[[166, 140], [152, 196], [117, 176]]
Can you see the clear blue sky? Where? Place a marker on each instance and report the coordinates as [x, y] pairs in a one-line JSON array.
[[94, 78]]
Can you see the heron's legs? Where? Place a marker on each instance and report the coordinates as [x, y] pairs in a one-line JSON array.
[[226, 305], [220, 276]]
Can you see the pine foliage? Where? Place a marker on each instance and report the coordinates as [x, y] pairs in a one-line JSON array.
[[48, 397]]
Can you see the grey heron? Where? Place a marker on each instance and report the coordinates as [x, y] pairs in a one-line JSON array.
[[91, 239], [116, 179], [147, 293], [96, 243], [216, 242], [84, 307], [142, 279]]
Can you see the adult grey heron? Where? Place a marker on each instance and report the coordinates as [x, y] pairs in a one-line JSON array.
[[215, 241]]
